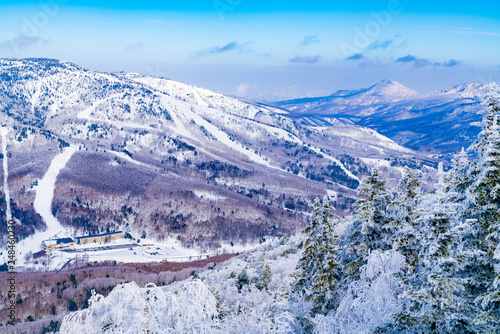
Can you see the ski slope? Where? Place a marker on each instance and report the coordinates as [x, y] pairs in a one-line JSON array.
[[43, 204]]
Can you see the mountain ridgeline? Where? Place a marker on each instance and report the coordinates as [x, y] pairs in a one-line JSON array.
[[439, 122]]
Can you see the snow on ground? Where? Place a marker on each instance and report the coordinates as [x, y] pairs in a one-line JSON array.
[[129, 251], [277, 111], [362, 134], [92, 110], [381, 163], [223, 137], [209, 195], [169, 250], [85, 114], [284, 135], [108, 77], [172, 250], [332, 194], [278, 133], [128, 158], [253, 112], [227, 248], [376, 162], [198, 98], [179, 126], [43, 205], [336, 161], [385, 141]]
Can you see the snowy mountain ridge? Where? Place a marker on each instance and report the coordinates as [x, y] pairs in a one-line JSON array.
[[438, 122], [385, 88]]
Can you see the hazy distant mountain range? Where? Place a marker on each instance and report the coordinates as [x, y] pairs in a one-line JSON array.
[[159, 158], [439, 122]]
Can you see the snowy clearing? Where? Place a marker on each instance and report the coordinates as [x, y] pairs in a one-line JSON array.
[[128, 158], [210, 195]]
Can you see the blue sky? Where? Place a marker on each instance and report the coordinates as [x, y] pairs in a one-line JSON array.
[[265, 49]]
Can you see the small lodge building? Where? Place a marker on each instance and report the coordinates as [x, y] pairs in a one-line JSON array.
[[99, 238], [58, 243]]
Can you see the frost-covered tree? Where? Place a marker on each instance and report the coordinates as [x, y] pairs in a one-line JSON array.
[[371, 229], [403, 206], [460, 179], [484, 199], [242, 280], [263, 273], [434, 289], [404, 215], [318, 271], [130, 309], [370, 301]]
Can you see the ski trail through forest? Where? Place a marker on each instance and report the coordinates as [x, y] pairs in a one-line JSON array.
[[43, 202]]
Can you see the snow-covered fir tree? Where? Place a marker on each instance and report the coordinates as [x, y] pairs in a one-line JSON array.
[[434, 289], [403, 206], [484, 199], [404, 215], [318, 271], [263, 273], [370, 301], [459, 179], [371, 229]]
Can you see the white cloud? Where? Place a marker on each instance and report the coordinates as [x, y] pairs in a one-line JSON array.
[[242, 89], [134, 47]]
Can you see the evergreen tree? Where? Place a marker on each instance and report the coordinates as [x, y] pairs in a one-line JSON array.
[[263, 273], [242, 280], [404, 216], [403, 206], [484, 202], [460, 179], [371, 229], [318, 271], [434, 290]]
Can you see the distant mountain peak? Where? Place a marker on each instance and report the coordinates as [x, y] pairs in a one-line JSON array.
[[386, 82], [392, 88], [388, 89]]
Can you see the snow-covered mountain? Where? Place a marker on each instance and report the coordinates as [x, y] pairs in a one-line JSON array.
[[158, 158], [362, 102], [438, 122]]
